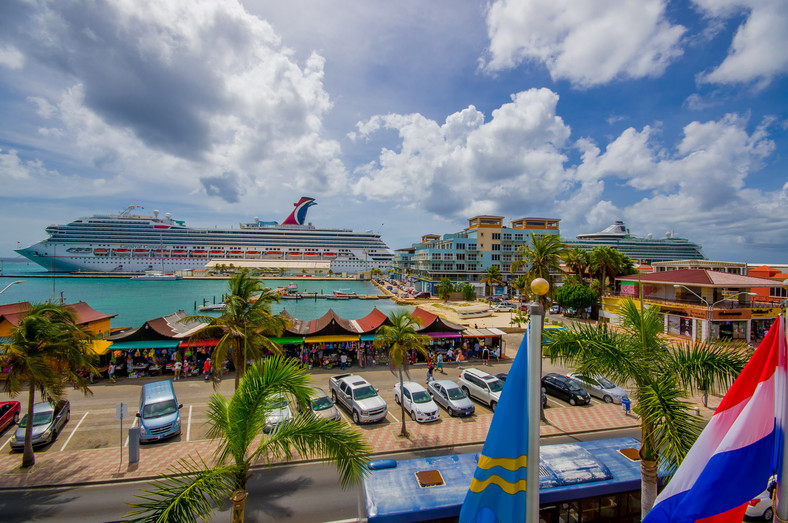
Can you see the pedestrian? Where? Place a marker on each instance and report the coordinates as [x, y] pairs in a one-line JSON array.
[[486, 356], [459, 359], [430, 370], [497, 354], [440, 363], [111, 372], [185, 371], [343, 361], [206, 369], [176, 369]]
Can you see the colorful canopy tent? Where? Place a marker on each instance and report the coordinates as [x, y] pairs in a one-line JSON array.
[[167, 327], [433, 323]]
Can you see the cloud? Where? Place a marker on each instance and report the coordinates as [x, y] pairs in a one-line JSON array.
[[586, 43], [757, 53], [196, 89]]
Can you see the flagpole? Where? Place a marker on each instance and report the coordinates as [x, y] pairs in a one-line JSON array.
[[781, 501], [534, 400]]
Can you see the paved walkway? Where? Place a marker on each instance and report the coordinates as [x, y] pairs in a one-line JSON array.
[[54, 468]]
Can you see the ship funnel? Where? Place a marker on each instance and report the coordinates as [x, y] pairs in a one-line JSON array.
[[298, 216]]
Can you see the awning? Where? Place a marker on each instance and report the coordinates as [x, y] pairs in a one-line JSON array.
[[198, 343], [151, 344], [100, 347], [368, 337], [288, 340], [497, 332], [479, 333], [440, 335], [332, 338]]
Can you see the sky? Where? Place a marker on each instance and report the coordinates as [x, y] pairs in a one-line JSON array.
[[404, 117]]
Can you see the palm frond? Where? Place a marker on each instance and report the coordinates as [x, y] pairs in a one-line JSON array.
[[188, 492], [702, 365]]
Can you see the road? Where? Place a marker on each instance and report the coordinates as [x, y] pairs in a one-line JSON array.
[[304, 493]]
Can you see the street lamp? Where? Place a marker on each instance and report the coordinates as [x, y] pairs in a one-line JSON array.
[[710, 306], [539, 287], [12, 283]]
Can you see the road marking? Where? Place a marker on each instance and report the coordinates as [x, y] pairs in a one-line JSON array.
[[6, 443], [132, 426], [189, 424], [73, 432], [392, 415], [353, 520]]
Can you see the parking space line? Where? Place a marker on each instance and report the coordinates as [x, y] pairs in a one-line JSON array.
[[189, 424], [132, 426], [74, 431], [392, 415], [6, 443]]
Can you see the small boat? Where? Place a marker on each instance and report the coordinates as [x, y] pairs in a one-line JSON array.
[[139, 252], [100, 251], [156, 276], [178, 252], [253, 253], [290, 296], [475, 314], [294, 253], [122, 251], [275, 253], [161, 251], [344, 292], [236, 253], [217, 253], [330, 254], [310, 254], [292, 286], [212, 307]]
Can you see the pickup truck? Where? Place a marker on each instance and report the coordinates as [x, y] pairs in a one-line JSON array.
[[359, 397]]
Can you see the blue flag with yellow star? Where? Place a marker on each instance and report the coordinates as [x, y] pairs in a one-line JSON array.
[[497, 490]]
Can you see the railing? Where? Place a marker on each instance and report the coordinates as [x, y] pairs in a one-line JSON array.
[[725, 304]]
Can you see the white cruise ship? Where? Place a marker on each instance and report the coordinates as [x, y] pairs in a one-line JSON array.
[[130, 242]]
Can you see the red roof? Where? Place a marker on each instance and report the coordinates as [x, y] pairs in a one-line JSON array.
[[702, 278], [14, 312]]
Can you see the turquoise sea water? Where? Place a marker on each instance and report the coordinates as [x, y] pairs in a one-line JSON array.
[[136, 302]]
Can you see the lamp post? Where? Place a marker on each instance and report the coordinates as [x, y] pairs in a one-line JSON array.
[[534, 396], [12, 283], [710, 306]]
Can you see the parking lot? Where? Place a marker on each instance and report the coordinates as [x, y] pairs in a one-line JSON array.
[[93, 423]]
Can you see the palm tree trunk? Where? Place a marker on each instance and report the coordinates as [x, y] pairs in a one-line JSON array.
[[404, 430], [239, 502], [28, 456], [648, 488]]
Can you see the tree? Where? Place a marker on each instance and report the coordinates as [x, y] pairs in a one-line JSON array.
[[493, 276], [468, 294], [605, 262], [520, 283], [193, 486], [400, 338], [543, 259], [578, 297], [660, 376], [244, 326], [444, 288], [47, 350], [578, 261]]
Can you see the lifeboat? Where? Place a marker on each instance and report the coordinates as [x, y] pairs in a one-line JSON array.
[[217, 253], [178, 252], [161, 251], [330, 254], [100, 251], [122, 251], [140, 251], [310, 254], [236, 253], [199, 253], [252, 253], [294, 253], [276, 253]]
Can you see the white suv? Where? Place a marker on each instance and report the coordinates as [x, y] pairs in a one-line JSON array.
[[481, 386]]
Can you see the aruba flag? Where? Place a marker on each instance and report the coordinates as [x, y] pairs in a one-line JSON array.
[[497, 490], [738, 451]]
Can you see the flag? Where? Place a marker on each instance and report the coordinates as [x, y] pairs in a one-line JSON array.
[[737, 452], [497, 491]]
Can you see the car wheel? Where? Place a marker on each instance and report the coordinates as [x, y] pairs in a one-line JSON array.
[[492, 406], [68, 414], [572, 402], [466, 391], [356, 419], [450, 411], [396, 399], [333, 396], [608, 399], [16, 418], [769, 514], [413, 415]]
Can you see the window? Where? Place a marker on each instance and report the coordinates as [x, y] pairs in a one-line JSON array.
[[507, 236], [460, 256], [496, 257], [496, 236], [471, 246], [460, 246], [518, 237], [496, 246], [507, 247], [471, 257], [460, 266], [448, 266]]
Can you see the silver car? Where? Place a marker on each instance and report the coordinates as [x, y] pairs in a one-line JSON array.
[[450, 396], [600, 387], [48, 422], [278, 413], [321, 405]]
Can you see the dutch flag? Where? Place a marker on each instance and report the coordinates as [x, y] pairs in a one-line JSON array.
[[738, 451]]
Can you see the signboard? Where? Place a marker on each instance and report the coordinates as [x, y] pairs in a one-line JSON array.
[[772, 312], [121, 411]]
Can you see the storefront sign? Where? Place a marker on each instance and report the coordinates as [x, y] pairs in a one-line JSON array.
[[766, 313]]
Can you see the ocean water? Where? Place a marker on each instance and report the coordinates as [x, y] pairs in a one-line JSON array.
[[136, 302]]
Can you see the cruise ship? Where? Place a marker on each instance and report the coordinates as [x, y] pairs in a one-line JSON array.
[[130, 242], [642, 250]]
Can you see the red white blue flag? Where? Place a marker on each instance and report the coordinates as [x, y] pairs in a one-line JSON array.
[[738, 451]]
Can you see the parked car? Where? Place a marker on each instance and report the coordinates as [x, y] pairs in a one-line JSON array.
[[481, 386], [501, 307], [159, 412], [422, 295], [600, 387], [279, 412], [555, 309], [358, 397], [761, 506], [48, 421], [565, 389], [417, 402], [503, 375], [9, 413], [450, 396], [321, 405]]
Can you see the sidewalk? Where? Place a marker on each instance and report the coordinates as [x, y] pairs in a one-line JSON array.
[[104, 465]]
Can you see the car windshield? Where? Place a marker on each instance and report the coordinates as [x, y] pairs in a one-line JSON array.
[[420, 397], [39, 418], [157, 410], [606, 383], [321, 403], [365, 392], [572, 385], [278, 403], [456, 394], [496, 385]]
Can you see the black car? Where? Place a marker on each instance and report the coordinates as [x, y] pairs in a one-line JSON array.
[[503, 375], [565, 389]]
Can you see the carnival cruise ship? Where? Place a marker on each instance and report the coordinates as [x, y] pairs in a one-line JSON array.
[[642, 250], [130, 242]]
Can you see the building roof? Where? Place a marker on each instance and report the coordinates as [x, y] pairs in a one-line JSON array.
[[333, 324], [702, 278], [433, 323], [84, 313], [163, 328]]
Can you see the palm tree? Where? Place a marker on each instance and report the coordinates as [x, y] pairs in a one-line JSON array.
[[520, 283], [401, 338], [245, 325], [47, 350], [543, 259], [444, 288], [493, 276], [193, 487], [578, 261], [660, 377], [604, 261]]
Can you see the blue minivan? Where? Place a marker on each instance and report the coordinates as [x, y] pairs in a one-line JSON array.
[[159, 412]]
